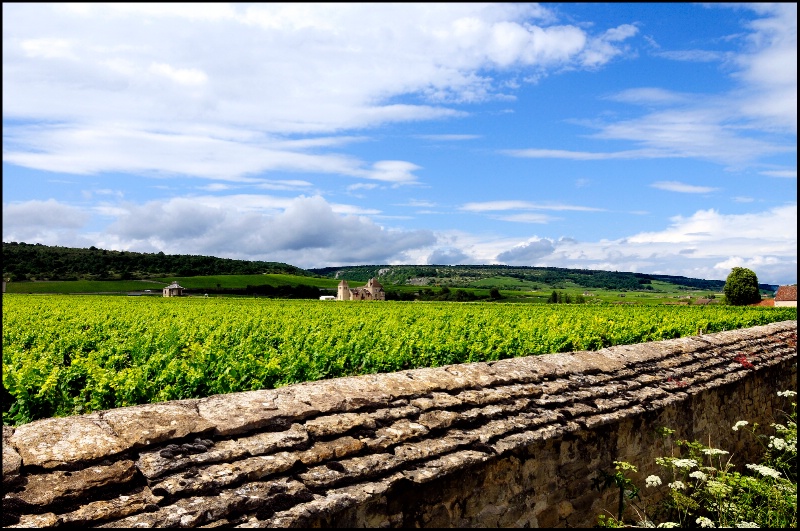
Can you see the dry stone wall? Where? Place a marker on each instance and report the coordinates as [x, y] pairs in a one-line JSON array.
[[512, 443]]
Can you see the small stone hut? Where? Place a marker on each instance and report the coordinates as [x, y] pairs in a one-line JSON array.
[[173, 290]]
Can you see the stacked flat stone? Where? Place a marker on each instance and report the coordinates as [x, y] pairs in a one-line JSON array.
[[508, 443]]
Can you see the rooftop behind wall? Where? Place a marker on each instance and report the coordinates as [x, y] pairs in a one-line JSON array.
[[512, 443]]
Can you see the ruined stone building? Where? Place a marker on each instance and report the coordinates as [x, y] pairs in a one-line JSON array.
[[372, 291]]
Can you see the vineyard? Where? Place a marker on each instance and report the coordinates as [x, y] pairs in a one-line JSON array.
[[66, 355]]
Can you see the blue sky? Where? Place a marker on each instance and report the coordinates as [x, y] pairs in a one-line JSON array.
[[655, 138]]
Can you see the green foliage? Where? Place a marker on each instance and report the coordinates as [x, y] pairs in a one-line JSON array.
[[512, 277], [704, 489], [741, 287], [620, 480], [22, 261], [64, 355]]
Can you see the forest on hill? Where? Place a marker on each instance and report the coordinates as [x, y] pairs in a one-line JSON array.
[[23, 261], [559, 278]]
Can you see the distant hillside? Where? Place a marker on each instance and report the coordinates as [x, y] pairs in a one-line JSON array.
[[551, 277], [23, 261]]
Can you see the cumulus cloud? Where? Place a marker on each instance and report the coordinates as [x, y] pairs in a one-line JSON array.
[[447, 256], [528, 253], [44, 214], [675, 186], [725, 129], [143, 88], [304, 231], [41, 221]]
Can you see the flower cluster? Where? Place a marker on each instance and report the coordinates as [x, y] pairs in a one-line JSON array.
[[740, 424], [765, 470], [653, 481]]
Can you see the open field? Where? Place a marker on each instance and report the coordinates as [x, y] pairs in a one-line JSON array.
[[65, 355]]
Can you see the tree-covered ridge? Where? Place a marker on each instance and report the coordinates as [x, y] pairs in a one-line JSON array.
[[23, 261], [464, 275]]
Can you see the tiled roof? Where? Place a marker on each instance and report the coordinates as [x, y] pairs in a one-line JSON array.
[[786, 293]]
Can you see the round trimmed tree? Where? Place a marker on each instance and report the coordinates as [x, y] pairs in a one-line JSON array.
[[741, 287]]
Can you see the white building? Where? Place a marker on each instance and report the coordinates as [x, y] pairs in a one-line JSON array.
[[786, 296]]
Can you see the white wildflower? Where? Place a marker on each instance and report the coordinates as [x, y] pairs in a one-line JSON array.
[[669, 524], [746, 524], [765, 471], [653, 481], [676, 485], [698, 475], [684, 463], [787, 394], [740, 424], [777, 443], [704, 522], [714, 451]]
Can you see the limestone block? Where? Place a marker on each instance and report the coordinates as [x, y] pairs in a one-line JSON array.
[[56, 441], [155, 463], [434, 420], [154, 423], [264, 443], [118, 507], [214, 477], [436, 400], [324, 451], [240, 412], [337, 424], [45, 489], [11, 459]]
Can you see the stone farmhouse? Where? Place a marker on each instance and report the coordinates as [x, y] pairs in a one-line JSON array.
[[786, 296], [372, 291]]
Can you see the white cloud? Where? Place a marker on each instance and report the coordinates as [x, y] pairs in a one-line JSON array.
[[448, 138], [48, 48], [769, 71], [304, 231], [117, 77], [649, 95], [527, 217], [183, 76], [41, 220], [675, 186], [705, 245], [447, 256], [529, 253], [127, 149], [489, 206], [787, 174], [726, 128], [534, 153]]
